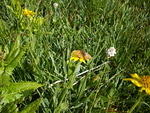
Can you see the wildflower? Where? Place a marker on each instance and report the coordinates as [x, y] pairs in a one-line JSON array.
[[80, 55], [140, 81], [111, 52], [55, 5], [28, 13]]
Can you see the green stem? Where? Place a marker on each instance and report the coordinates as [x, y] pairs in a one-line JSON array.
[[63, 95], [136, 104], [58, 108]]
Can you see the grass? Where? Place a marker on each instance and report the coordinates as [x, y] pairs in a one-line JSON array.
[[92, 26]]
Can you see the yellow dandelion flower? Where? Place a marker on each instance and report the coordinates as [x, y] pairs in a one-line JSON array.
[[79, 55], [28, 13], [140, 81]]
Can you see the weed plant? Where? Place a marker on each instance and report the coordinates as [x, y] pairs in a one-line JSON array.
[[90, 25]]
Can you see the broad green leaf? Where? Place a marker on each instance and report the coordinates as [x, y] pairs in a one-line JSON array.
[[14, 91], [21, 86]]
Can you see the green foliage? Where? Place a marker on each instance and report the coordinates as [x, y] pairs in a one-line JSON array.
[[32, 107], [10, 108], [11, 57], [11, 92], [38, 49]]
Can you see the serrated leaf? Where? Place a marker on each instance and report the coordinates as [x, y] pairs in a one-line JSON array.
[[14, 91], [22, 86]]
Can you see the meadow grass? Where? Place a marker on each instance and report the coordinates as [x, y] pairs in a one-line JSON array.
[[92, 26]]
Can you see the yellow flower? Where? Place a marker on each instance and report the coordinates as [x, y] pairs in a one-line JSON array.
[[140, 81], [28, 13], [80, 55]]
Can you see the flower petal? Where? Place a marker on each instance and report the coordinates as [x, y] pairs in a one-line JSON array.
[[74, 58], [82, 60], [142, 89], [135, 76], [134, 81], [147, 91]]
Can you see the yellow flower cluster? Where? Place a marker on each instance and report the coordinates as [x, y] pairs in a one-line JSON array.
[[140, 81], [28, 13], [79, 55]]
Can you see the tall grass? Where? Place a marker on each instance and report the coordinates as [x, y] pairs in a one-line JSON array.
[[92, 26]]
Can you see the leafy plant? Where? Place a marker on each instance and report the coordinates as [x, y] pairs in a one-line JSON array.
[[13, 93]]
